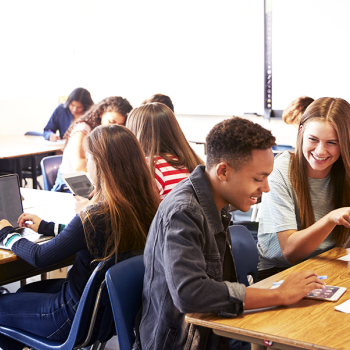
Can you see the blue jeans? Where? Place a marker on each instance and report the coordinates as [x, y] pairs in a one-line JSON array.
[[48, 314]]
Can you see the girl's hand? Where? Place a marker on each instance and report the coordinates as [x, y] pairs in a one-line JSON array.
[[22, 221], [4, 223], [80, 204], [340, 216]]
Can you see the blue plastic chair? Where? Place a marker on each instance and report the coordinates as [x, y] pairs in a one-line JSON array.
[[124, 284], [252, 226], [49, 168], [245, 253], [94, 305], [281, 148]]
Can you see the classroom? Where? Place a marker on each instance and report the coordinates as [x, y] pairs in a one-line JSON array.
[[263, 210]]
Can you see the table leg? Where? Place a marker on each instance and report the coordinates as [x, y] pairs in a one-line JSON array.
[[19, 170], [35, 183]]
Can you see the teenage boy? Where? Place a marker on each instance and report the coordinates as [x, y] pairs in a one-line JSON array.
[[188, 260]]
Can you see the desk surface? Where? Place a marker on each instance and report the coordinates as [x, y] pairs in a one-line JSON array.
[[308, 324], [50, 206], [13, 146]]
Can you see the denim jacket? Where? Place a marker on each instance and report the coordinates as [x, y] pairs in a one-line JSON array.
[[189, 269]]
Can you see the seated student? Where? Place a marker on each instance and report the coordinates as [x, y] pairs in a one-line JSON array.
[[307, 210], [162, 140], [78, 102], [160, 98], [293, 113], [111, 110], [188, 264], [116, 223]]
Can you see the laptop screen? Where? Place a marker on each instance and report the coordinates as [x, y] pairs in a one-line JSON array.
[[10, 199]]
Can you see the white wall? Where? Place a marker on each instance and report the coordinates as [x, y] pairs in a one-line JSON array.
[[22, 115]]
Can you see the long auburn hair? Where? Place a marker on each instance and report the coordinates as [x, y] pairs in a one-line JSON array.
[[93, 116], [126, 197], [160, 134], [335, 111]]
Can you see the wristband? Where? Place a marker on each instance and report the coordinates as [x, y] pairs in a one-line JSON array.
[[10, 239]]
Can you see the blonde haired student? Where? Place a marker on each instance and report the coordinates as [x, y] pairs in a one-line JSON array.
[[163, 141], [307, 210]]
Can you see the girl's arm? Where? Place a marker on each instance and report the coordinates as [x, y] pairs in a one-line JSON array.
[[296, 245], [70, 241], [78, 155]]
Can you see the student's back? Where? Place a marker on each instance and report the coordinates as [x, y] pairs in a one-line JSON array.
[[170, 156], [116, 223]]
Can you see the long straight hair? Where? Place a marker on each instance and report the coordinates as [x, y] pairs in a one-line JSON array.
[[126, 197], [335, 111], [160, 134]]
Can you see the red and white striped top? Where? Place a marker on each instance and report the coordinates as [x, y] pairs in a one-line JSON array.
[[167, 176]]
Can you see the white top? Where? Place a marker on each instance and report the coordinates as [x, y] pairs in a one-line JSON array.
[[279, 212], [66, 166]]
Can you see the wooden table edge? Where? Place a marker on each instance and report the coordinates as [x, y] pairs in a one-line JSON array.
[[227, 331]]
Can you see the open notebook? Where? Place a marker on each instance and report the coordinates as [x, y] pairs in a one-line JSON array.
[[11, 208]]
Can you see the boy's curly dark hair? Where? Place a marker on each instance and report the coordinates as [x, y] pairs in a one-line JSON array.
[[93, 116], [233, 141]]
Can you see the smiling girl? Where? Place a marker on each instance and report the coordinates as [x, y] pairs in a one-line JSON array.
[[307, 209]]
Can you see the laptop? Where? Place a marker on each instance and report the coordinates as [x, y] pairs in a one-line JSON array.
[[11, 208]]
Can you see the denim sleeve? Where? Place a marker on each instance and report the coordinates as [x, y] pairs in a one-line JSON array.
[[52, 125], [185, 268]]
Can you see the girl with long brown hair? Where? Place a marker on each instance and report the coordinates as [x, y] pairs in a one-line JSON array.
[[111, 110], [115, 224], [170, 156], [307, 209]]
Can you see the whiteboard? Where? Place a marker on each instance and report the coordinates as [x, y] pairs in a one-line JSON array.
[[207, 56]]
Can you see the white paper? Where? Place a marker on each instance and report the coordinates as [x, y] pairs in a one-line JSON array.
[[345, 258], [344, 307]]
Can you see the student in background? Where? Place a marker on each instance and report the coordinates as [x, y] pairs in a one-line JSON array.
[[111, 110], [160, 98], [78, 102], [307, 209], [115, 224], [293, 113], [188, 264], [170, 156]]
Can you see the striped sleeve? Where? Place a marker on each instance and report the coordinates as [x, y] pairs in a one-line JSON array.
[[167, 177]]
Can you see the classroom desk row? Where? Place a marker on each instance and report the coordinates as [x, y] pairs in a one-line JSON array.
[[307, 324], [15, 149], [50, 206]]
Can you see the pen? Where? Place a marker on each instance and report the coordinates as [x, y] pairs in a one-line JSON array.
[[324, 277]]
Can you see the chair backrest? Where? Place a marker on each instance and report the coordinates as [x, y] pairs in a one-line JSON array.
[[49, 168], [252, 226], [33, 133], [245, 253], [124, 284]]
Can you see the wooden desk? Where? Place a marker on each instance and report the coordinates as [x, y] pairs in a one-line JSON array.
[[17, 148], [307, 324], [50, 206]]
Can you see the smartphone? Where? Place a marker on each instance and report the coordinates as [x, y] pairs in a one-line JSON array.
[[329, 293], [79, 183]]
